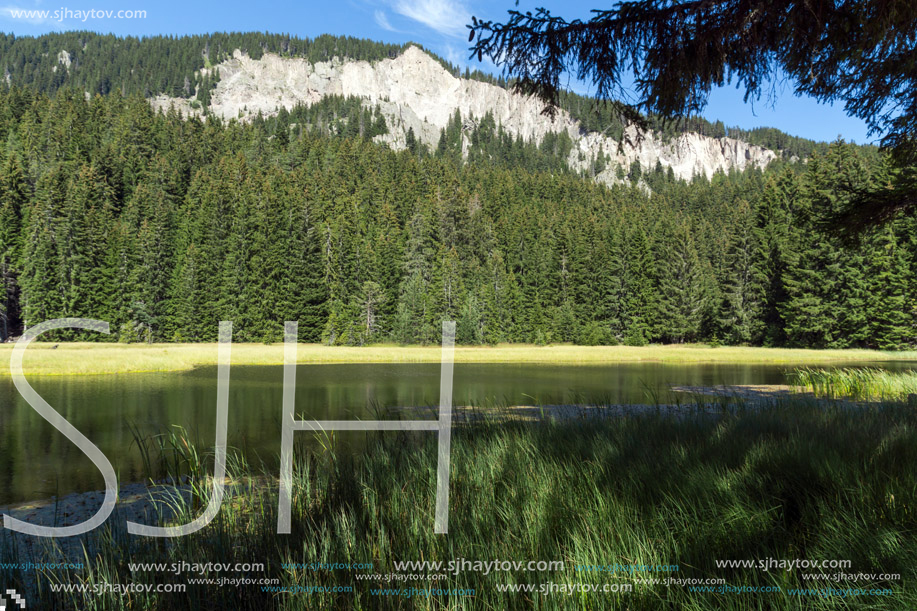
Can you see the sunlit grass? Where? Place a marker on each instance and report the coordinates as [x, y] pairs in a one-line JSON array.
[[858, 383], [97, 358]]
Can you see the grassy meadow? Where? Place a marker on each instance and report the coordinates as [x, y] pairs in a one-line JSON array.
[[793, 480], [100, 358]]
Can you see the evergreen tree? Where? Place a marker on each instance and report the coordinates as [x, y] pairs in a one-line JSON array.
[[640, 298], [683, 286], [13, 200], [890, 303], [740, 312]]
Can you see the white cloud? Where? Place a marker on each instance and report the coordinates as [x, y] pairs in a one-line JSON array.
[[447, 17], [382, 20]]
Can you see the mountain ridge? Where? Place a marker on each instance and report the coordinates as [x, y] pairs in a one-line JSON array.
[[415, 92], [182, 67]]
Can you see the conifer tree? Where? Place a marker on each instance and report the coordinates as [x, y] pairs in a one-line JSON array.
[[640, 297], [13, 200], [740, 312], [683, 286], [890, 303]]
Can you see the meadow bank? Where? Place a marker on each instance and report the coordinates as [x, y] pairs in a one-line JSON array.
[[85, 358]]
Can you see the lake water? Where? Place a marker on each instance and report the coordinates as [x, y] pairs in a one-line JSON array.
[[38, 462]]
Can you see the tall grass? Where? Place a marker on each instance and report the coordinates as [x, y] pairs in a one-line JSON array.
[[862, 384], [783, 481]]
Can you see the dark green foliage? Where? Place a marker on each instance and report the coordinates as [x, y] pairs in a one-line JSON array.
[[13, 202], [744, 282], [826, 285], [890, 297], [684, 285]]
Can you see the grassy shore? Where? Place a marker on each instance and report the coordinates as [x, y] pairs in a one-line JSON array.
[[857, 383], [785, 482], [99, 358]]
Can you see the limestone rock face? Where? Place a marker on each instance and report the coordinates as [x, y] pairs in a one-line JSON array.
[[63, 59], [414, 91]]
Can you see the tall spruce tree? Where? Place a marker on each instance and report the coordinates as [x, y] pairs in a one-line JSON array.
[[13, 200], [683, 285], [741, 308]]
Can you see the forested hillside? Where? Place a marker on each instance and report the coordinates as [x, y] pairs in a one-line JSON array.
[[101, 63], [164, 226]]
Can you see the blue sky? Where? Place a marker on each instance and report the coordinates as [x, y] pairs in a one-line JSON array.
[[437, 24]]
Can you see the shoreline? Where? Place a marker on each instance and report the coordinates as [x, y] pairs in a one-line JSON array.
[[84, 358]]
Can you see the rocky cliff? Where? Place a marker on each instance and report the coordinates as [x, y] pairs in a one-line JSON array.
[[414, 91]]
